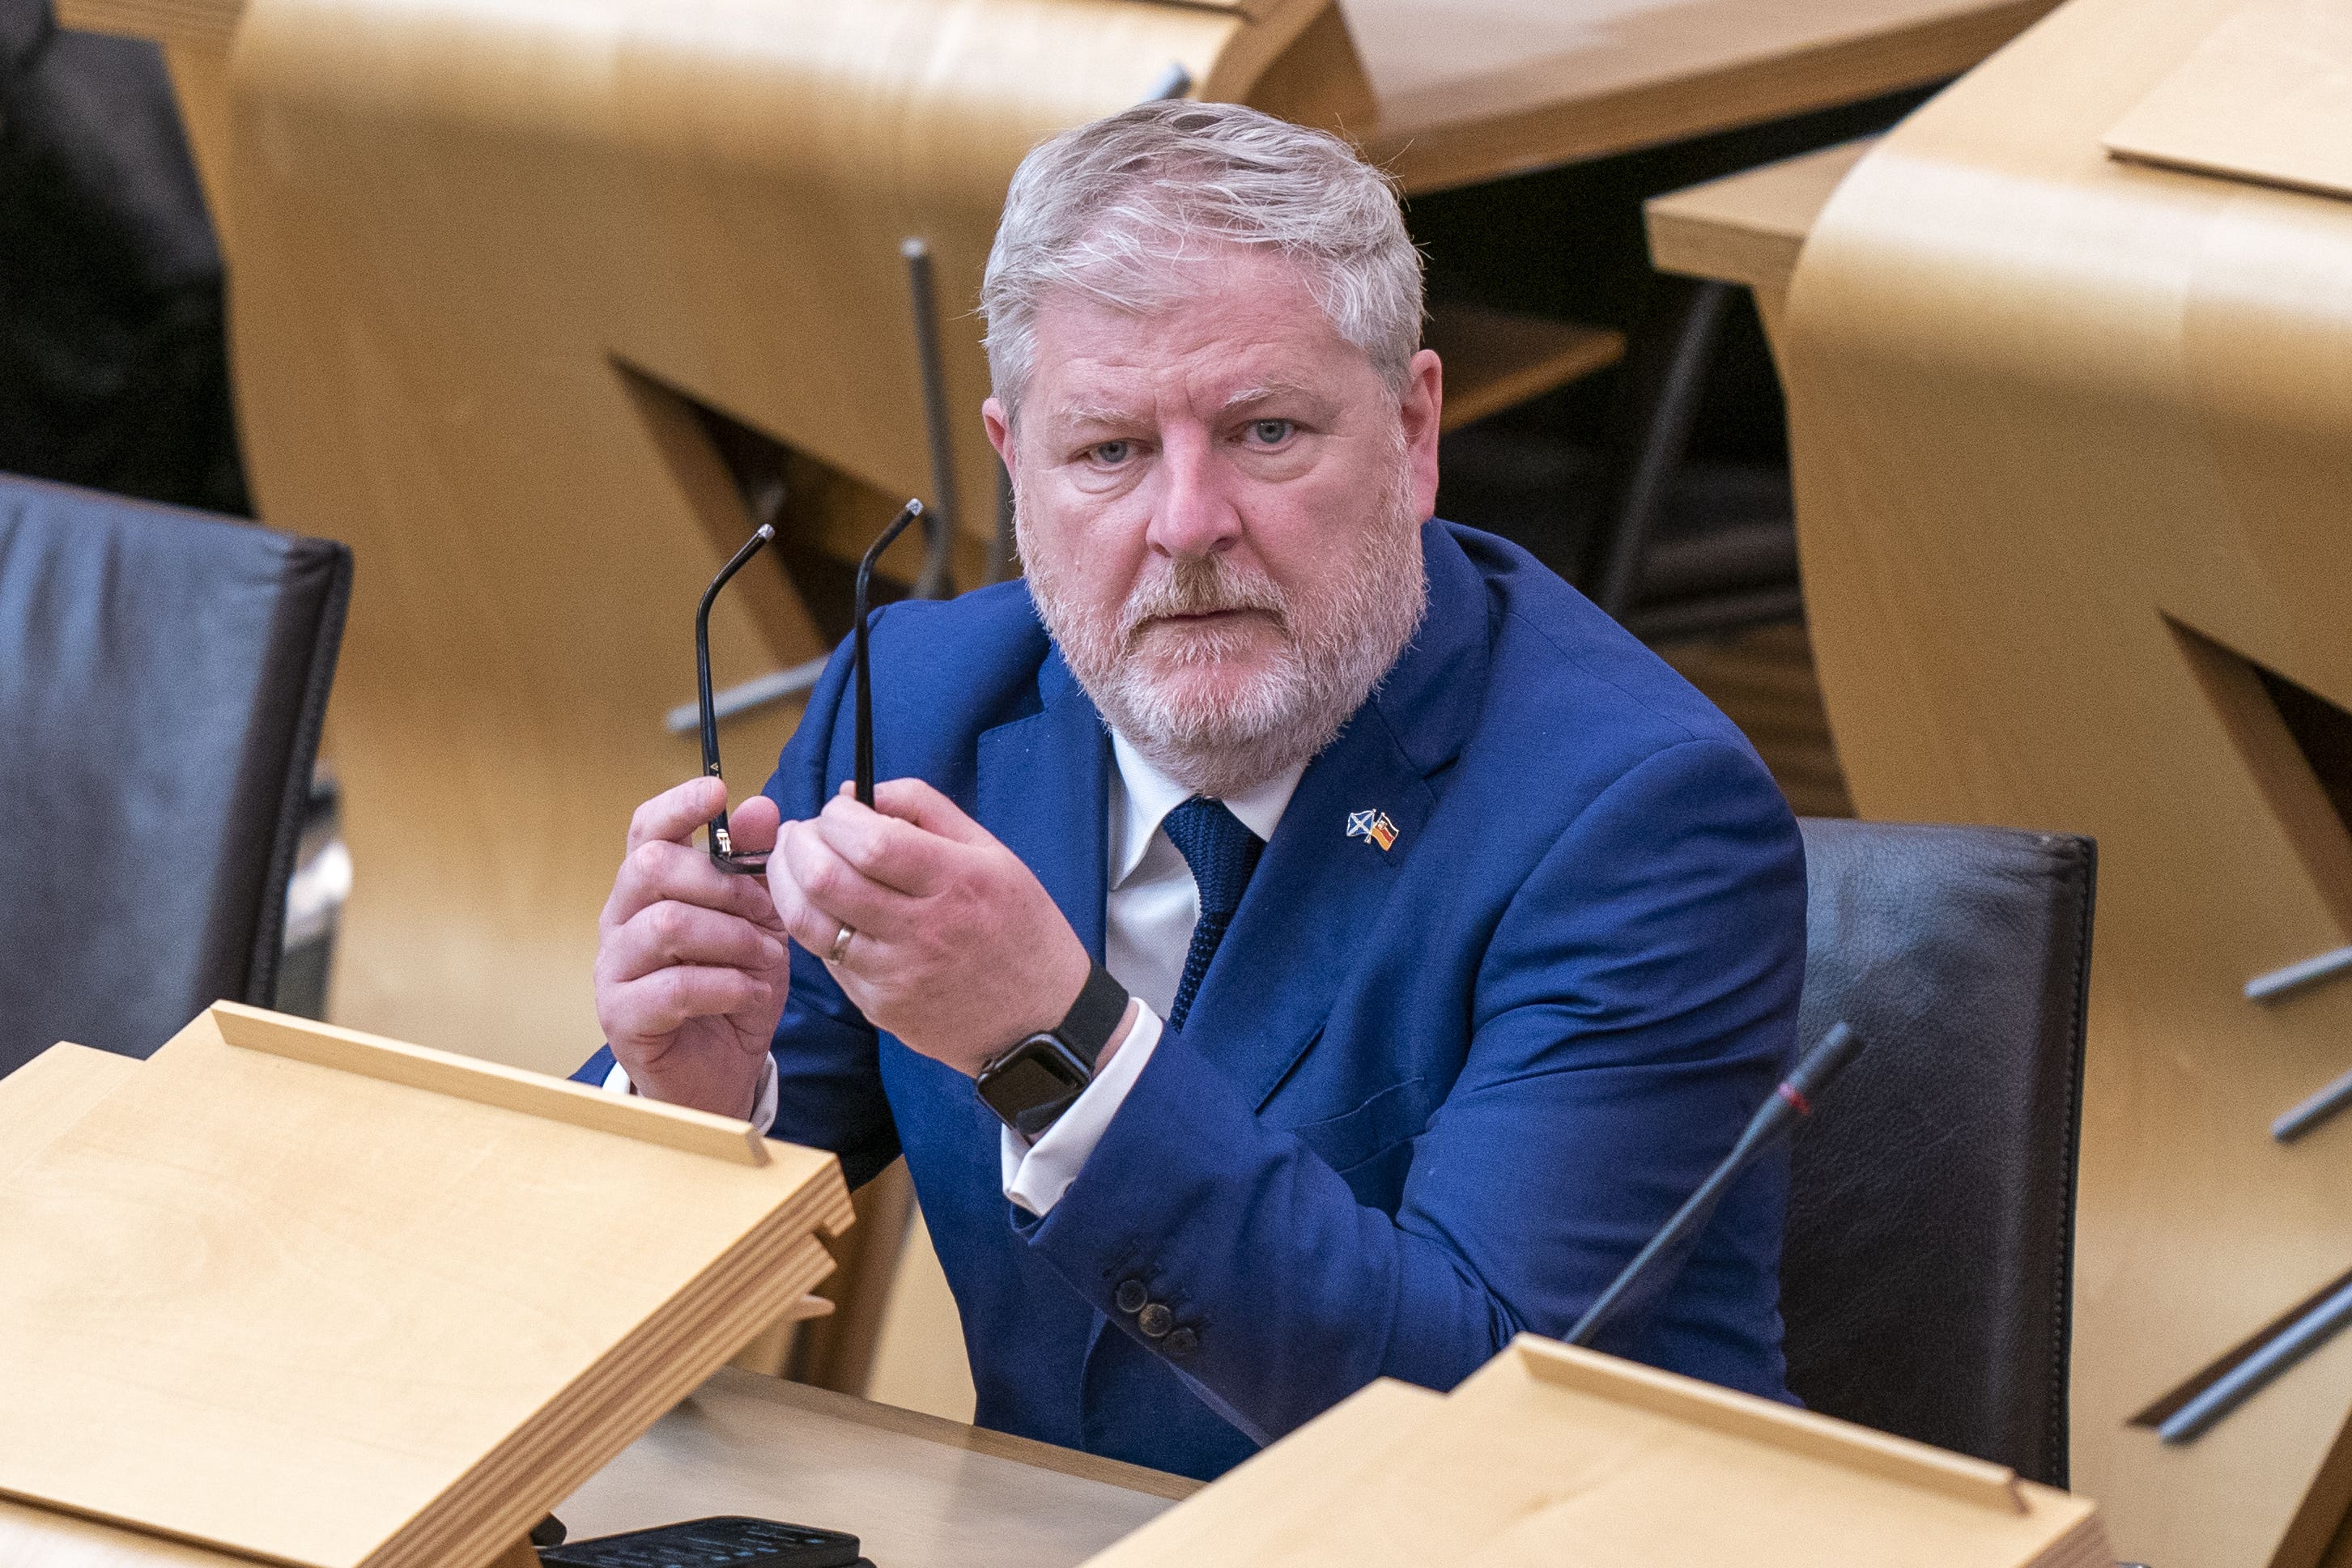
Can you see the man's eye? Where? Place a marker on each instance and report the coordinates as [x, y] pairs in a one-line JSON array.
[[1111, 453], [1270, 431]]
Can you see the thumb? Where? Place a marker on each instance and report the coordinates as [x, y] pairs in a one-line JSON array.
[[753, 825]]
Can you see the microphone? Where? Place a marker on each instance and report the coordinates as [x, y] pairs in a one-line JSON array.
[[1791, 1103]]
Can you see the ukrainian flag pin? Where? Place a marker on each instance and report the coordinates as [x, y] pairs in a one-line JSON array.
[[1374, 826]]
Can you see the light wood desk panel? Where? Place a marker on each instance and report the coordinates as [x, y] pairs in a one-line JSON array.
[[1749, 228], [2071, 439], [916, 1491], [1471, 90]]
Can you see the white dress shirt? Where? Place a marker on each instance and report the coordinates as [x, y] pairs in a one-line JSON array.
[[1148, 919]]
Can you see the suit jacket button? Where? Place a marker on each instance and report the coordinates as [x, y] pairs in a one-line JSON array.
[[1132, 1296], [1155, 1319], [1182, 1342]]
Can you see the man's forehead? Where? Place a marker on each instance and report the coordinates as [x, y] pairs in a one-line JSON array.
[[1133, 396], [1213, 347]]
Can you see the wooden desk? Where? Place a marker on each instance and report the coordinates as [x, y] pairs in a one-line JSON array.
[[1472, 91], [916, 1491], [1750, 228], [2069, 436]]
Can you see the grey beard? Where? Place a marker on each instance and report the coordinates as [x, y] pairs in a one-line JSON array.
[[1333, 658]]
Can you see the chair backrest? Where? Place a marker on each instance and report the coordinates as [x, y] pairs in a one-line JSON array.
[[1927, 1276], [162, 677]]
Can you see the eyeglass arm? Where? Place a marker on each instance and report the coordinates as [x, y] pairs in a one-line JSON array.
[[865, 749]]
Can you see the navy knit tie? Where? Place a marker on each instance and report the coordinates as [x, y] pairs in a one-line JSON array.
[[1221, 851]]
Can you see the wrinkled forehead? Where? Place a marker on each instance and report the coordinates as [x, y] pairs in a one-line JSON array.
[[1216, 332]]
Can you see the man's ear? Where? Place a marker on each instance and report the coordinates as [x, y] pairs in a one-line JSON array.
[[1419, 410], [1000, 430]]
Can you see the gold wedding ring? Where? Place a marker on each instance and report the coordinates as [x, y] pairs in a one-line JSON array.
[[840, 945]]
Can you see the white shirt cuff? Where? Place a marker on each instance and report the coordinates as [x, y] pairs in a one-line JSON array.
[[1037, 1175], [763, 1109]]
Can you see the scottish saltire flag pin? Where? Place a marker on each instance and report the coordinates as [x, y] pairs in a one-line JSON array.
[[1373, 825]]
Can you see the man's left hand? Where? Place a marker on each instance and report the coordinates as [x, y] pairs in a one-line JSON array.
[[954, 946]]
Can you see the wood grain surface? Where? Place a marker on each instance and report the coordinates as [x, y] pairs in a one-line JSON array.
[[2261, 97], [45, 1097], [489, 1083], [2071, 439], [34, 1537], [1551, 1454], [1748, 228], [1471, 90], [295, 1312], [918, 1491]]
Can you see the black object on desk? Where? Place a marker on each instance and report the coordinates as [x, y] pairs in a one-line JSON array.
[[727, 1542]]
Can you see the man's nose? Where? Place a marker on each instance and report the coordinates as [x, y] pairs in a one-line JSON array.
[[1194, 513]]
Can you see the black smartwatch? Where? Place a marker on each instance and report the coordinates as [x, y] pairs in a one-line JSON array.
[[1031, 1084]]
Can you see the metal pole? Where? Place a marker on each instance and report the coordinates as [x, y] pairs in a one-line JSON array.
[[2294, 1123], [2250, 1377], [939, 517], [2294, 977], [1687, 341]]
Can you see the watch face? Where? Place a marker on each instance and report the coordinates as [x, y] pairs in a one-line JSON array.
[[1031, 1084]]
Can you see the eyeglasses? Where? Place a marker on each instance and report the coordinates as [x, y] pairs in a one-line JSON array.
[[722, 844]]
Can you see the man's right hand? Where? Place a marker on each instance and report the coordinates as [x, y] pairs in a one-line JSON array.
[[692, 964]]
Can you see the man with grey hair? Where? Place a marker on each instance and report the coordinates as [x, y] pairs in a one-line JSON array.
[[1298, 941]]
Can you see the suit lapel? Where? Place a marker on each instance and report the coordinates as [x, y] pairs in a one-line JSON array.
[[1314, 894], [1044, 790], [1318, 893]]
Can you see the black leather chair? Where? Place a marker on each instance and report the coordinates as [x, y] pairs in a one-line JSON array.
[[1926, 1282], [162, 677]]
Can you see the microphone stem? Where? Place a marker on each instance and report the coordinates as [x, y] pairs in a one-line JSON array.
[[1791, 1102], [1693, 1214]]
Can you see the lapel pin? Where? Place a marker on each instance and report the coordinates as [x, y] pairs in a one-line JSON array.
[[1374, 826]]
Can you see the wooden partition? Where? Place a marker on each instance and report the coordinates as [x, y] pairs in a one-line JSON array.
[[2072, 446]]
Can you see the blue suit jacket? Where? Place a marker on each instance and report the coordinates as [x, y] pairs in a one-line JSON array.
[[1425, 1098]]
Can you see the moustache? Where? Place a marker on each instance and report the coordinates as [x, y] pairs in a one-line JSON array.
[[1200, 588]]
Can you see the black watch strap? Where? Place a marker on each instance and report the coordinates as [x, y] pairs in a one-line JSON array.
[[1094, 1017]]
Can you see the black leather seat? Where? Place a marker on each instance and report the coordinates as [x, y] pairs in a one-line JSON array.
[[1926, 1282], [162, 677]]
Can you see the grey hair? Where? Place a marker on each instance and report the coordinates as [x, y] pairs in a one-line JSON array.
[[1101, 210]]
